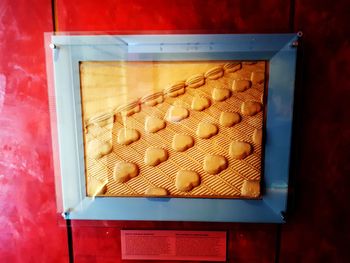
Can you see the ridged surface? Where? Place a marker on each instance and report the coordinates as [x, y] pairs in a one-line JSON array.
[[226, 184]]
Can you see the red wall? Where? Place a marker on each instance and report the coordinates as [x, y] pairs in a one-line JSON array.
[[318, 225]]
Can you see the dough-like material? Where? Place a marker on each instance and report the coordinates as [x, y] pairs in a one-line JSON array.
[[214, 73], [220, 94], [257, 136], [154, 102], [239, 150], [195, 81], [249, 62], [156, 191], [176, 113], [101, 120], [96, 186], [200, 103], [182, 142], [250, 188], [228, 119], [129, 109], [206, 130], [232, 67], [153, 99], [155, 156], [176, 89], [153, 124], [250, 108], [240, 85], [126, 136], [124, 171], [257, 77], [187, 180], [96, 149], [176, 93], [214, 164]]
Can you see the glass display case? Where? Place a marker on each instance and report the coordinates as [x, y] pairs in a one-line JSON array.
[[172, 127]]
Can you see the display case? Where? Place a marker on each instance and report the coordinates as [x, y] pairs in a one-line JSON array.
[[172, 127]]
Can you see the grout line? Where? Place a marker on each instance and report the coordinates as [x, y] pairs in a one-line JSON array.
[[291, 15], [70, 240], [278, 243], [54, 16]]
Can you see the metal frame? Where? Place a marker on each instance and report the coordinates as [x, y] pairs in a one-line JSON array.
[[278, 49]]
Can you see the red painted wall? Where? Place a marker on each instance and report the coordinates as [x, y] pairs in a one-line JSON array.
[[318, 226], [29, 226]]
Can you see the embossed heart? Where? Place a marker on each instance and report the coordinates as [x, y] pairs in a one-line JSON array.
[[124, 171], [240, 85], [228, 119], [155, 156], [214, 164], [250, 108], [126, 136], [220, 94], [239, 150], [182, 142], [176, 113], [206, 130], [187, 180], [153, 124], [200, 103]]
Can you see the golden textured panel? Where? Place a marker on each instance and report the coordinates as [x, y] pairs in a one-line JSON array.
[[116, 95]]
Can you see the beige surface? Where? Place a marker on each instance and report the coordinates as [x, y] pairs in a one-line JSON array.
[[102, 95], [106, 85], [206, 130], [187, 180], [182, 142], [153, 124], [240, 150], [214, 164], [228, 119], [200, 103], [155, 156], [156, 191], [124, 171]]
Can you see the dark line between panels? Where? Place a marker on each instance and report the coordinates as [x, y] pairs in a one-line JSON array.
[[53, 15], [291, 15], [70, 240], [278, 243]]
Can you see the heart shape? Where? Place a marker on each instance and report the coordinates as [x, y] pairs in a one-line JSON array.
[[153, 124], [126, 136], [187, 180], [97, 149], [182, 142], [124, 171], [240, 85], [200, 103], [214, 164], [155, 156], [176, 113], [228, 119], [220, 94], [206, 130], [239, 150], [250, 108], [250, 188]]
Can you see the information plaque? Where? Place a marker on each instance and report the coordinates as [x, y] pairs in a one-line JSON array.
[[173, 245]]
